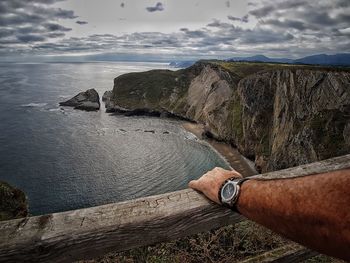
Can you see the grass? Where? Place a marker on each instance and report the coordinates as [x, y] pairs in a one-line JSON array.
[[228, 244], [149, 89], [242, 242], [328, 137], [243, 69], [237, 122]]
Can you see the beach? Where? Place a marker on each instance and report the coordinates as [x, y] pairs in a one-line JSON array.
[[231, 154]]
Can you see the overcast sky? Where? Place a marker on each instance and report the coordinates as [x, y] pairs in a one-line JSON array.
[[172, 29]]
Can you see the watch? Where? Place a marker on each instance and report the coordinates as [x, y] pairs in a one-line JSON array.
[[230, 190]]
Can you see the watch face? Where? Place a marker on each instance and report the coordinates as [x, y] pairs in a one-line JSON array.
[[228, 191]]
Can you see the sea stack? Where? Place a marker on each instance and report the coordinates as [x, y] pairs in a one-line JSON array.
[[88, 101], [107, 95]]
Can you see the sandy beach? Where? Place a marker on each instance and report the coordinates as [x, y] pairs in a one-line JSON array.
[[231, 154]]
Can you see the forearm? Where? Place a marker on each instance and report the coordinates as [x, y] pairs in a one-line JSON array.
[[312, 210]]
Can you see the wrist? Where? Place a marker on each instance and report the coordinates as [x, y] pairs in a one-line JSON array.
[[229, 192], [248, 189]]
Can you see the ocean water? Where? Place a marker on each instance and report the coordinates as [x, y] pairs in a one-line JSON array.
[[65, 159]]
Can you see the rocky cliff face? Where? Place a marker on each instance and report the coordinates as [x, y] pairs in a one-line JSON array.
[[13, 202], [297, 116], [279, 116]]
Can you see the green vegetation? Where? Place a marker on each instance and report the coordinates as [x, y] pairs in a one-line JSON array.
[[13, 202], [149, 89], [237, 123], [265, 147], [242, 242], [328, 129], [227, 244], [153, 89], [243, 69]]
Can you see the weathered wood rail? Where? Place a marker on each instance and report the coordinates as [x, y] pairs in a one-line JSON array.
[[90, 232]]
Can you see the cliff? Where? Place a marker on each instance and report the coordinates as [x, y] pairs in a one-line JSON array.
[[13, 203], [277, 115]]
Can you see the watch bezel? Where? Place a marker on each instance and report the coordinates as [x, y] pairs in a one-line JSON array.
[[235, 192]]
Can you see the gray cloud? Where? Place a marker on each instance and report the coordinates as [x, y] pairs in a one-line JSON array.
[[81, 22], [219, 24], [30, 38], [270, 27], [244, 19], [272, 7], [56, 27], [286, 24], [343, 3], [262, 11], [157, 7], [31, 21], [233, 18]]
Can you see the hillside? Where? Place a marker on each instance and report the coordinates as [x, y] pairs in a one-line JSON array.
[[278, 115], [342, 59]]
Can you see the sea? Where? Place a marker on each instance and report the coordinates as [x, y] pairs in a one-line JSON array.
[[65, 159]]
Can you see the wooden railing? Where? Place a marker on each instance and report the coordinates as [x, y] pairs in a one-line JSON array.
[[94, 231]]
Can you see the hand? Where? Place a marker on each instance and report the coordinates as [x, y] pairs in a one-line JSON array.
[[210, 183]]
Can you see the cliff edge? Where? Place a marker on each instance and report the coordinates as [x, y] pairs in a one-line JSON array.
[[13, 202], [276, 115]]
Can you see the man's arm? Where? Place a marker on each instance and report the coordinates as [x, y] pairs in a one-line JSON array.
[[312, 210]]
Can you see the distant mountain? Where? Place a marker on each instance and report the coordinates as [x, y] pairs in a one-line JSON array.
[[182, 64], [262, 58], [321, 59]]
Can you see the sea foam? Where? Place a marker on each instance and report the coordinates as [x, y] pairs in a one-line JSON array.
[[32, 105]]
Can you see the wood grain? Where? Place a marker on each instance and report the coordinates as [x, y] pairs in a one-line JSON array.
[[337, 163], [94, 231], [90, 232]]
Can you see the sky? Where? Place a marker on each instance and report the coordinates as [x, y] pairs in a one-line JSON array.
[[171, 29]]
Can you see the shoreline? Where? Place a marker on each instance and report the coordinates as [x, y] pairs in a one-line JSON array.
[[229, 153]]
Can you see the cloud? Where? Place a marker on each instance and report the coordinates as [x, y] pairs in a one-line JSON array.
[[30, 38], [262, 12], [233, 18], [31, 21], [81, 22], [270, 27], [287, 24], [217, 23], [244, 19], [157, 7], [56, 27]]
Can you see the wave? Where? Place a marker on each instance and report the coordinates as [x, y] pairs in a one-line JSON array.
[[56, 109], [32, 105]]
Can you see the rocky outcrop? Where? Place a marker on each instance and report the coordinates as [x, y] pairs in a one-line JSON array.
[[13, 203], [88, 100], [277, 115], [106, 95]]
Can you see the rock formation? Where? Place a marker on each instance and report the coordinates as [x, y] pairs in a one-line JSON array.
[[13, 203], [106, 95], [88, 100], [276, 115]]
